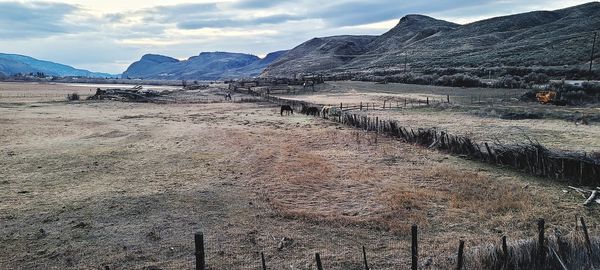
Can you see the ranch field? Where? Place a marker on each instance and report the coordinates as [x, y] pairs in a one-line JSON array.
[[484, 114], [115, 185]]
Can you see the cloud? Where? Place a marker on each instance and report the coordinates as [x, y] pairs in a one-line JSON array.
[[219, 23], [80, 33], [36, 19], [257, 4], [181, 12]]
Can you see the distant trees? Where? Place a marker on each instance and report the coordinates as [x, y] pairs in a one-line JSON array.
[[459, 80], [536, 78]]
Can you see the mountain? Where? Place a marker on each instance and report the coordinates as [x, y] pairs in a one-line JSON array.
[[13, 63], [540, 38], [319, 54], [205, 66]]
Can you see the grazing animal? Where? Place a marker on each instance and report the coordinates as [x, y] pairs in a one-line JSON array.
[[314, 111], [286, 108], [325, 111]]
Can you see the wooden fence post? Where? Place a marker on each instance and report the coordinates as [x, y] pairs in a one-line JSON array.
[[504, 252], [414, 248], [588, 243], [365, 258], [541, 249], [262, 260], [318, 259], [199, 244], [461, 247]]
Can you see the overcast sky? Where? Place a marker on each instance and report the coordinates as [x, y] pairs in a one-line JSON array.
[[107, 35]]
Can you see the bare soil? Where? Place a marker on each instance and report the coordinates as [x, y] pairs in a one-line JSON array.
[[90, 185]]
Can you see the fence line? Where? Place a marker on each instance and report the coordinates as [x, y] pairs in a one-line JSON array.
[[541, 252], [530, 157]]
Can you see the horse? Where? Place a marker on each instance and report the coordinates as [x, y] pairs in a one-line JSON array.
[[314, 111], [325, 111], [287, 108]]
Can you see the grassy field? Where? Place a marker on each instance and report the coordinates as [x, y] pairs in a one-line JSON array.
[[85, 185], [485, 120]]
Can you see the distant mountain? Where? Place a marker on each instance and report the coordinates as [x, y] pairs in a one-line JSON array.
[[206, 66], [13, 63], [319, 54], [540, 38]]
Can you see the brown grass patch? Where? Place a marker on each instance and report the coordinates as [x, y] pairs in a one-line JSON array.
[[475, 191]]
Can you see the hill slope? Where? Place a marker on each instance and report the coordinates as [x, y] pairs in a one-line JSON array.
[[13, 63], [206, 66], [540, 38], [319, 54]]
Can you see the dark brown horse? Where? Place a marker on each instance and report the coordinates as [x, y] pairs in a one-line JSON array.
[[286, 108], [314, 111]]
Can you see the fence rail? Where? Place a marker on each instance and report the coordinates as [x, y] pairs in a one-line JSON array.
[[530, 157]]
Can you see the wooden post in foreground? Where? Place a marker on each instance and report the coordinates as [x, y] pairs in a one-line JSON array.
[[414, 249], [588, 243], [262, 260], [461, 247], [504, 251], [365, 258], [199, 244], [541, 249], [318, 259]]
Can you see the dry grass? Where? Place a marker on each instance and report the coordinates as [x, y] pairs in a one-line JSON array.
[[463, 118], [125, 185], [474, 191]]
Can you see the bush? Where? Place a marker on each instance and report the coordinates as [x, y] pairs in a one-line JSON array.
[[509, 81], [536, 78], [591, 88], [73, 97], [460, 80]]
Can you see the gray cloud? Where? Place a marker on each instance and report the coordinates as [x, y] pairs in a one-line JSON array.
[[37, 19], [218, 23], [258, 4], [181, 12], [75, 35]]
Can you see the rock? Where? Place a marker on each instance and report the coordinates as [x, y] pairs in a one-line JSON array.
[[285, 242], [81, 225]]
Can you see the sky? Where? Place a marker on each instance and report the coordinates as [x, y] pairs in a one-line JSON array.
[[108, 35]]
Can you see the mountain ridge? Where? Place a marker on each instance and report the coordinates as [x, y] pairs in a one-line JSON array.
[[204, 66], [11, 64], [538, 38]]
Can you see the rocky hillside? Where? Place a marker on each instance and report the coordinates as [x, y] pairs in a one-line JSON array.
[[206, 66], [11, 64], [541, 38], [320, 54]]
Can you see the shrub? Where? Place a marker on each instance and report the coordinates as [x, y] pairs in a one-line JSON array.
[[460, 80], [509, 81], [73, 97], [537, 78]]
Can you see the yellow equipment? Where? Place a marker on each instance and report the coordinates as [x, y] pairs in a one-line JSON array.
[[546, 97]]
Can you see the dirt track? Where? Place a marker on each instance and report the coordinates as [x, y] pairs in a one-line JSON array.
[[88, 185]]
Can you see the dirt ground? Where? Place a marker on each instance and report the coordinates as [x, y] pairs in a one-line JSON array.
[[112, 185]]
